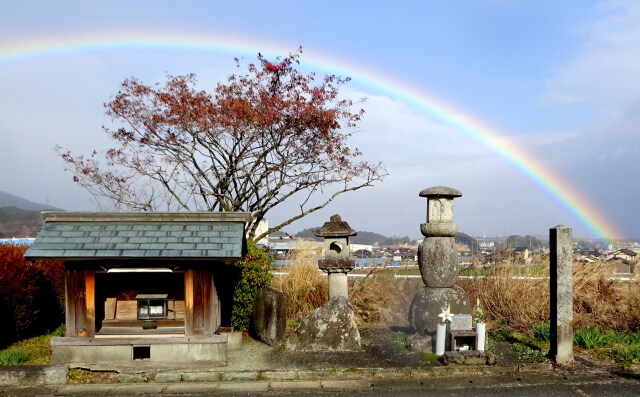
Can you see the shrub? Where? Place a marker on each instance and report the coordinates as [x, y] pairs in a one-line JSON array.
[[31, 295], [542, 331], [255, 275]]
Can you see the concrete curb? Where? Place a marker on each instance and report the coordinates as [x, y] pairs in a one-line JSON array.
[[439, 384], [279, 379]]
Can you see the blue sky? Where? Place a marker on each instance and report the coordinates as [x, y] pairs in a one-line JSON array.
[[558, 77]]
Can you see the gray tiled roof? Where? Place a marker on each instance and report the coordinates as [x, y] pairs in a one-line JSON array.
[[139, 235]]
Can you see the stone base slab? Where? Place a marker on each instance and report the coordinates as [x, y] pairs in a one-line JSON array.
[[70, 350]]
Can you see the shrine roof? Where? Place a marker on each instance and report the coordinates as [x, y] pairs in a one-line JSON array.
[[145, 235]]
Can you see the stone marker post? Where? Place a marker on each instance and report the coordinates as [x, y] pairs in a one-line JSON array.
[[561, 287], [336, 262]]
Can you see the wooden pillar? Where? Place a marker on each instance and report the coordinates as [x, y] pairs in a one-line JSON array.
[[561, 288], [202, 307], [188, 302], [90, 302], [80, 302]]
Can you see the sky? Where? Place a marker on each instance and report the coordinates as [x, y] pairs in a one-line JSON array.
[[530, 108]]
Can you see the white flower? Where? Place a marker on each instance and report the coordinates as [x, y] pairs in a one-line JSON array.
[[446, 313]]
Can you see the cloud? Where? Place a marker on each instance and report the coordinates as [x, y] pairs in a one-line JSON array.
[[604, 70]]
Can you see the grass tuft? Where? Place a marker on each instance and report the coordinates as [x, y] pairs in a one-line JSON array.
[[591, 338], [401, 339], [542, 331], [627, 355], [529, 353], [13, 356]]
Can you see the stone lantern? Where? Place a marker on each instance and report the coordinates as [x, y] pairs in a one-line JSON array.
[[336, 262]]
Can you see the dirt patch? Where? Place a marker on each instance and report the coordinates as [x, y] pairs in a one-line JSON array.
[[382, 347], [86, 376]]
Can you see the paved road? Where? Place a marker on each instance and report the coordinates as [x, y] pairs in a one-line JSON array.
[[547, 385]]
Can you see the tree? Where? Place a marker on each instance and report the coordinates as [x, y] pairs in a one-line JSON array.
[[261, 138]]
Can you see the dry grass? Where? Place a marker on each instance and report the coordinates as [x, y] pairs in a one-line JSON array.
[[377, 297], [304, 287], [509, 303], [521, 304], [600, 302]]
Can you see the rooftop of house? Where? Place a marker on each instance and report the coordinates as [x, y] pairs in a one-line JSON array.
[[145, 235], [626, 251]]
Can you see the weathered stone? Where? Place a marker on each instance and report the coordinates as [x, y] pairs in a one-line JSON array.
[[330, 327], [336, 264], [461, 322], [270, 316], [472, 357], [440, 191], [438, 261], [201, 377], [336, 227], [428, 303], [338, 284], [561, 288], [422, 343], [438, 229], [168, 377]]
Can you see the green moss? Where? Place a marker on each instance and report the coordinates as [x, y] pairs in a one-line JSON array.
[[429, 357]]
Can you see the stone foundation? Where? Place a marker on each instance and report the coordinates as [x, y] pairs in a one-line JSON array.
[[69, 350]]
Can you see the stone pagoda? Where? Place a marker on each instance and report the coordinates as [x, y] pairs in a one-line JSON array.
[[438, 261]]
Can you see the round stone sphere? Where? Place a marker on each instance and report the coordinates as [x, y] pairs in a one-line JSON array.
[[428, 303], [438, 261]]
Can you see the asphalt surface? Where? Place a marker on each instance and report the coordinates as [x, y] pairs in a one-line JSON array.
[[542, 383]]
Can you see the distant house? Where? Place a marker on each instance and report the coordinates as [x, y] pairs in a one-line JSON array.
[[521, 251], [588, 256], [625, 255], [624, 260], [154, 286]]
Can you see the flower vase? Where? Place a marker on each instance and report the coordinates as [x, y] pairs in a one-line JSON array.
[[441, 336], [481, 331]]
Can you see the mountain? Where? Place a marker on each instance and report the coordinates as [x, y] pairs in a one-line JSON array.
[[20, 217], [9, 200], [362, 237], [16, 222]]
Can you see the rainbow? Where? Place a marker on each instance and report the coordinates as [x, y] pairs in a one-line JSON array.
[[546, 179]]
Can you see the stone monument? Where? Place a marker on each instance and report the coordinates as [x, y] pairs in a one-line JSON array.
[[336, 262], [438, 261]]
